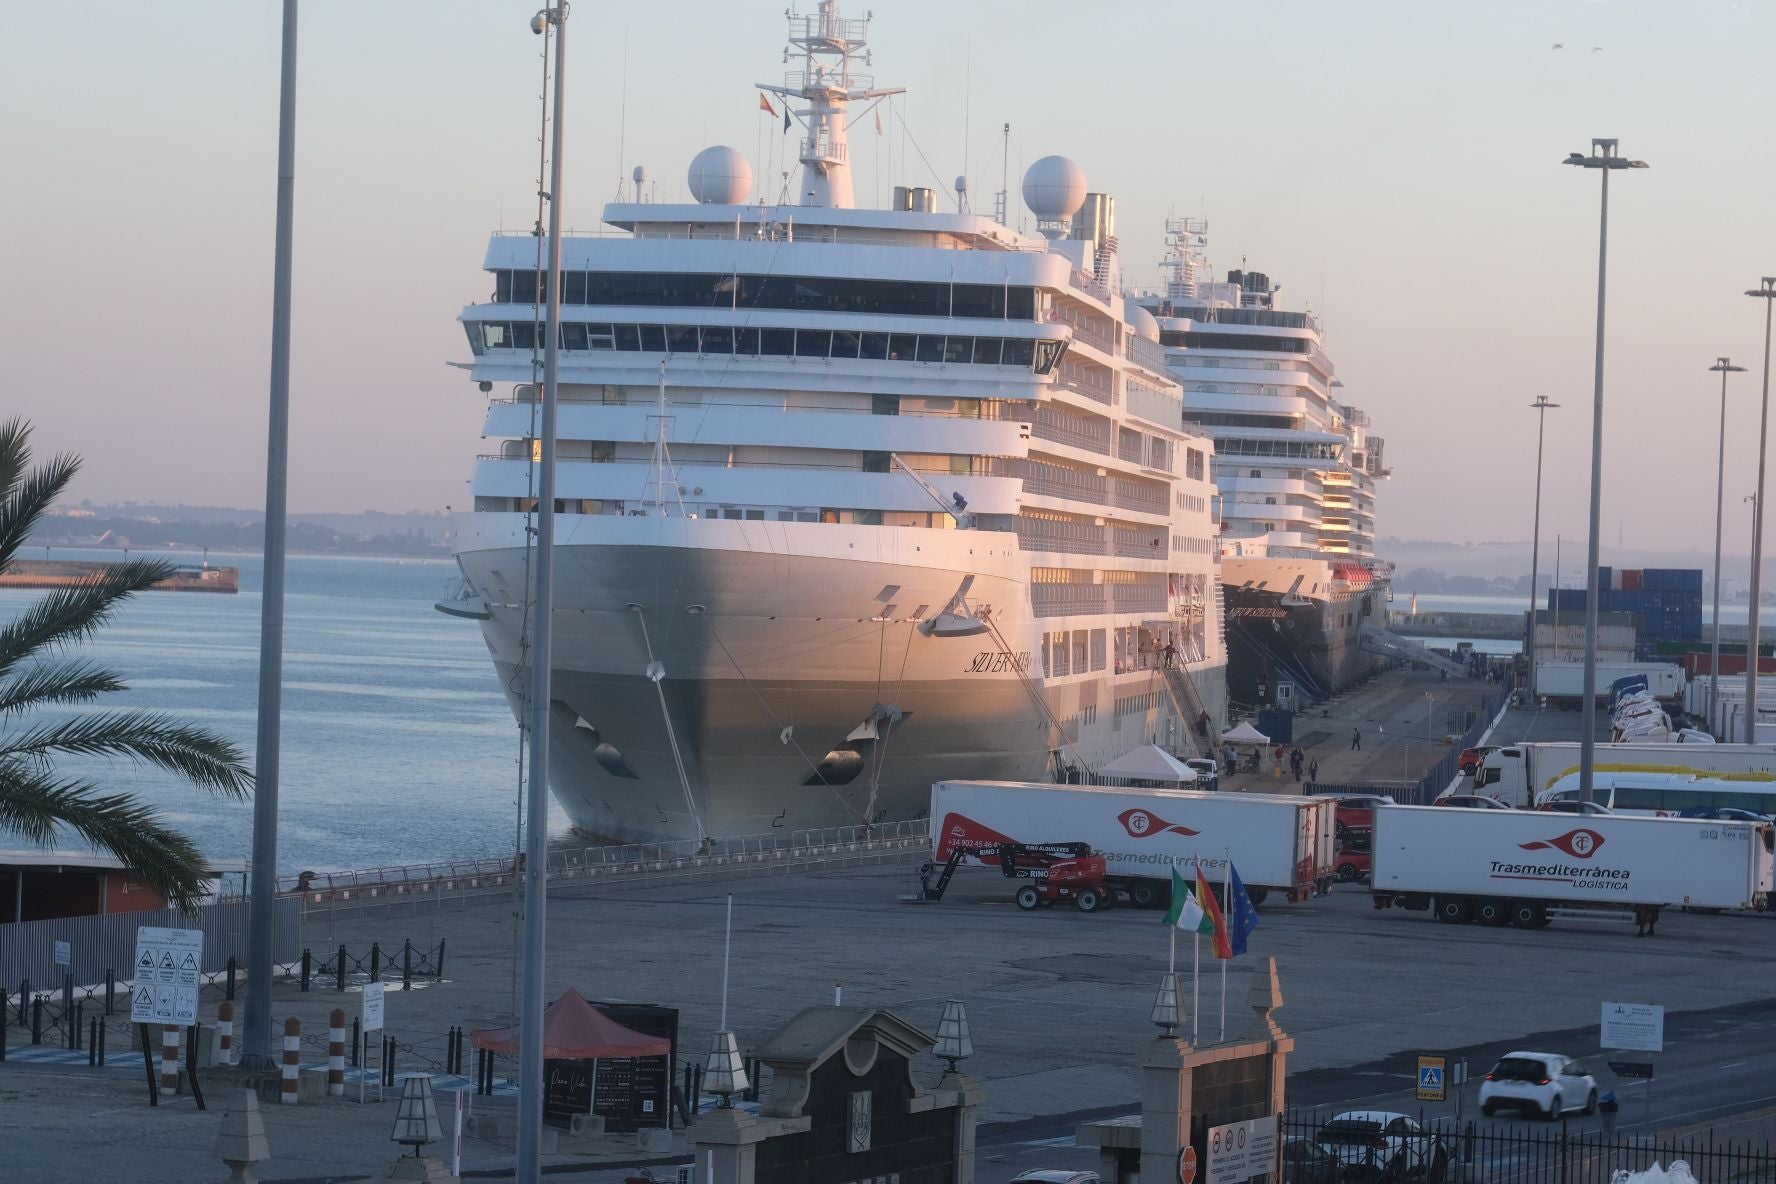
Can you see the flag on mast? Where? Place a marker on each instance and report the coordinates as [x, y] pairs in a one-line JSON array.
[[879, 132], [1243, 918], [765, 105], [786, 117], [1185, 913], [1223, 948]]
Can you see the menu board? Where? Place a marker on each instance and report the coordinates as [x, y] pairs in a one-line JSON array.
[[636, 1092], [567, 1091]]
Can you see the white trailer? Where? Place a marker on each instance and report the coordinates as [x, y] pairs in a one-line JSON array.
[[1519, 774], [1279, 843], [1524, 867], [1562, 684]]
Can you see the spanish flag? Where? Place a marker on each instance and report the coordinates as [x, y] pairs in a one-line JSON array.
[[765, 105]]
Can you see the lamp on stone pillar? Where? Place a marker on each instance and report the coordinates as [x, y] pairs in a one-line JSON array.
[[724, 1073], [1167, 1013], [953, 1042]]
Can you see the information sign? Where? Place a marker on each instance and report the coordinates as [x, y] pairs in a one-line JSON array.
[[1636, 1026], [1240, 1150], [1431, 1078], [64, 953], [373, 1012], [168, 973]]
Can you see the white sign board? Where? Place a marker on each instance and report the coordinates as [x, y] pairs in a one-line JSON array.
[[1638, 1026], [64, 953], [1241, 1150], [168, 972], [373, 1006]]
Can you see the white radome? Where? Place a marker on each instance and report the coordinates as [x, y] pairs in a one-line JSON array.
[[1054, 188], [720, 176], [1144, 324]]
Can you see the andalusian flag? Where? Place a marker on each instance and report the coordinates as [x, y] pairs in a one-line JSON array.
[[1197, 912], [765, 106]]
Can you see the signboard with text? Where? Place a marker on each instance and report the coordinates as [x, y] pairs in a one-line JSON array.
[[168, 971], [1432, 1079], [373, 1006], [1240, 1150], [1636, 1026]]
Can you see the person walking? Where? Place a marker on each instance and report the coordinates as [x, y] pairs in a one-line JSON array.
[[1356, 740], [1313, 772], [1170, 652], [1295, 760]]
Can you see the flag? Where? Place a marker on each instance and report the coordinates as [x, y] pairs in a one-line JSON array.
[[1185, 913], [765, 105], [1207, 899], [1244, 917], [878, 121], [786, 117]]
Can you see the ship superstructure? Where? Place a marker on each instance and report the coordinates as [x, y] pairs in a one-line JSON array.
[[1295, 469], [851, 501]]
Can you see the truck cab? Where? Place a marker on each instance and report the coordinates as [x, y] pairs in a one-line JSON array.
[[1503, 774]]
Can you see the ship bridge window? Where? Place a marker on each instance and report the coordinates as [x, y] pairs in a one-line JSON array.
[[653, 339], [844, 344], [796, 293], [1048, 355], [779, 343], [873, 346], [931, 349], [813, 343], [719, 340], [681, 339], [1019, 351], [958, 349], [986, 351]]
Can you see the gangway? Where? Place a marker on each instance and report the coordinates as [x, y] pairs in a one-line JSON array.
[[1376, 640]]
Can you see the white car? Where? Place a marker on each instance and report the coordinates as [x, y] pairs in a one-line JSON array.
[[1546, 1082], [1383, 1147], [1054, 1176]]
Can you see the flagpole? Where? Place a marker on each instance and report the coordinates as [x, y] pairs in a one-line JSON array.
[[1196, 986], [1226, 903], [1172, 958]]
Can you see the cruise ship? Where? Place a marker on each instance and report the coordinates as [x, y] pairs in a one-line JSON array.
[[1295, 468], [850, 500]]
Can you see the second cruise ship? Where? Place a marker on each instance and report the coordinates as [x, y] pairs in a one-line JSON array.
[[851, 500]]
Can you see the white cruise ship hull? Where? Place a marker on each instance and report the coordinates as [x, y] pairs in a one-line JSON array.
[[778, 643]]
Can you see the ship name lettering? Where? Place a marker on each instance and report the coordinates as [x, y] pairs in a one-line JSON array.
[[990, 662]]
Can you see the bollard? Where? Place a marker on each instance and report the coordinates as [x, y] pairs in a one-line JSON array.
[[388, 1060], [230, 977], [307, 967], [110, 990], [24, 994], [101, 1043], [407, 966], [169, 1058], [375, 962], [225, 1032], [67, 995], [438, 970], [357, 1040], [2, 1031], [78, 1026], [292, 1061], [339, 968], [37, 1020], [336, 1053], [92, 1043]]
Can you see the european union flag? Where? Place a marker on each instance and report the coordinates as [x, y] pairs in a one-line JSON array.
[[1242, 918]]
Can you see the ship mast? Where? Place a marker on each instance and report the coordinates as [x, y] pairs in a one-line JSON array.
[[826, 82]]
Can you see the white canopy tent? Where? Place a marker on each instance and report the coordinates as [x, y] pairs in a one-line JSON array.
[[1149, 763], [1244, 733]]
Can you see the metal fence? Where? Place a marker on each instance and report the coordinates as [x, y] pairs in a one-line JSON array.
[[108, 943], [1442, 1150]]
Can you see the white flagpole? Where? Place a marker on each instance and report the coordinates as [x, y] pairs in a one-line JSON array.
[[727, 951], [1196, 986], [1172, 959], [1226, 903]]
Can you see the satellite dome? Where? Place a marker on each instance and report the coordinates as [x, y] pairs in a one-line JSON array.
[[640, 175], [720, 176], [1140, 320], [1054, 188]]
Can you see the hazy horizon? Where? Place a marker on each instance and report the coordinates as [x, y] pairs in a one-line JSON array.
[[1395, 167]]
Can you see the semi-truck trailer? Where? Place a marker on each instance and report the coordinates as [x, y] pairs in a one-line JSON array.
[[1524, 868], [1279, 843], [1519, 774], [1562, 684]]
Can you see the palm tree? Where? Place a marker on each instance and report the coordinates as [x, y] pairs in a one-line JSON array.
[[39, 670]]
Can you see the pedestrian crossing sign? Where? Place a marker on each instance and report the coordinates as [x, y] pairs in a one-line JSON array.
[[1431, 1079]]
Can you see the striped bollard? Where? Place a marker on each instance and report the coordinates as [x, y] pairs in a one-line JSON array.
[[169, 1058], [336, 1053], [292, 1060], [225, 1031]]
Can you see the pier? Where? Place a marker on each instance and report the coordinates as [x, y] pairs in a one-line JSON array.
[[1474, 626], [71, 573]]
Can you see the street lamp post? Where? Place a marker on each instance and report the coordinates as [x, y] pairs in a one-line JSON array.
[[1604, 158], [1726, 367], [1766, 290], [1541, 407]]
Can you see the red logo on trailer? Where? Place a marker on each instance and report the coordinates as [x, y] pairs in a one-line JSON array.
[[1580, 844], [1144, 824]]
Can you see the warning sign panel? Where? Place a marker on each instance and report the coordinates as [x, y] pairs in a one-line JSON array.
[[168, 974]]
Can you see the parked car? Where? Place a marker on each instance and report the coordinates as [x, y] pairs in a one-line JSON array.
[[1383, 1147], [1470, 801], [1470, 758], [1208, 773], [1547, 1083], [1356, 854], [1723, 814], [1572, 807], [1306, 1162], [1357, 810], [1054, 1176]]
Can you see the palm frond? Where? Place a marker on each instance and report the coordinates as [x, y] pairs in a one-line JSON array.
[[29, 498], [72, 681], [68, 616], [198, 755], [34, 804], [15, 454]]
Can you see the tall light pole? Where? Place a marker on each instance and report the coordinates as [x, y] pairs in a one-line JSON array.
[[262, 902], [536, 807], [1726, 367], [1541, 407], [1767, 292], [1603, 158]]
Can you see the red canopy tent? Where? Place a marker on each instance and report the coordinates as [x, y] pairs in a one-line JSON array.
[[573, 1030]]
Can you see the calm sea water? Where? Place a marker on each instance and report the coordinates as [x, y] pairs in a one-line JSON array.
[[398, 745]]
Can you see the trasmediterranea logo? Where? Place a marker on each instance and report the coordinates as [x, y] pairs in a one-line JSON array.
[[1581, 843], [1144, 824]]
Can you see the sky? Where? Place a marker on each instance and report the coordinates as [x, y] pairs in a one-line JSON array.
[[1394, 164]]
